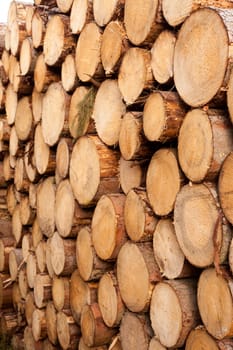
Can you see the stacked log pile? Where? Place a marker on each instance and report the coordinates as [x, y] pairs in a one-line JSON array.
[[116, 194]]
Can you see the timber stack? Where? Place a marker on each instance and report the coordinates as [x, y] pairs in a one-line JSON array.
[[116, 188]]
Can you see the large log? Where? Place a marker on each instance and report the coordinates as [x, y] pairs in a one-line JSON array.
[[136, 283], [204, 141], [39, 22], [174, 303], [108, 229], [91, 156], [196, 81], [207, 242]]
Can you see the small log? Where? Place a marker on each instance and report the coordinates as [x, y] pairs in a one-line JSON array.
[[37, 99], [56, 102], [41, 256], [63, 257], [22, 84], [29, 307], [140, 220], [13, 143], [44, 75], [2, 95], [27, 247], [108, 110], [48, 258], [162, 190], [39, 23], [11, 104], [199, 336], [29, 163], [207, 242], [108, 229], [39, 327], [81, 294], [37, 235], [45, 158], [174, 299], [131, 174], [45, 203], [11, 198], [68, 331], [6, 246], [225, 187], [61, 293], [18, 34], [93, 329], [88, 155], [83, 346], [6, 298], [135, 331], [21, 180], [113, 46], [80, 113], [5, 61], [28, 19], [111, 10], [16, 11], [162, 53], [64, 5], [136, 283], [32, 195], [109, 300], [143, 22], [156, 345], [135, 74], [42, 290], [58, 40], [27, 214], [167, 252], [132, 142], [69, 216], [80, 15], [7, 40], [87, 55], [163, 115], [18, 230], [29, 340], [27, 58], [90, 266], [32, 269], [215, 302], [63, 152], [51, 321], [210, 148], [23, 282], [69, 77]]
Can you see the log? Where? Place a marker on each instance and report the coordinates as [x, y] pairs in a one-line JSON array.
[[17, 35], [207, 242], [135, 331], [37, 99], [132, 142], [174, 300], [87, 54], [216, 309], [7, 40], [23, 282], [81, 294], [56, 102], [113, 46], [64, 5], [48, 258], [27, 247], [135, 74], [11, 104], [68, 331], [101, 162], [167, 252], [58, 40], [51, 321], [16, 11], [5, 61], [136, 283], [16, 297], [45, 203], [90, 266], [29, 340], [28, 19], [156, 345], [37, 235], [163, 181], [27, 215], [108, 110], [11, 198], [13, 143], [162, 53], [28, 56], [21, 180], [109, 300], [6, 298], [22, 84], [39, 327], [106, 11], [176, 12], [40, 252], [32, 195], [39, 23], [44, 75], [42, 290], [61, 293], [196, 82], [8, 171], [80, 15], [108, 230], [18, 230], [45, 158], [80, 113], [93, 329], [15, 260], [163, 115], [199, 336], [29, 163], [143, 21], [225, 187], [69, 216], [83, 346], [29, 307], [63, 152], [131, 174], [210, 150], [69, 77], [63, 257], [6, 246], [139, 218], [32, 269]]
